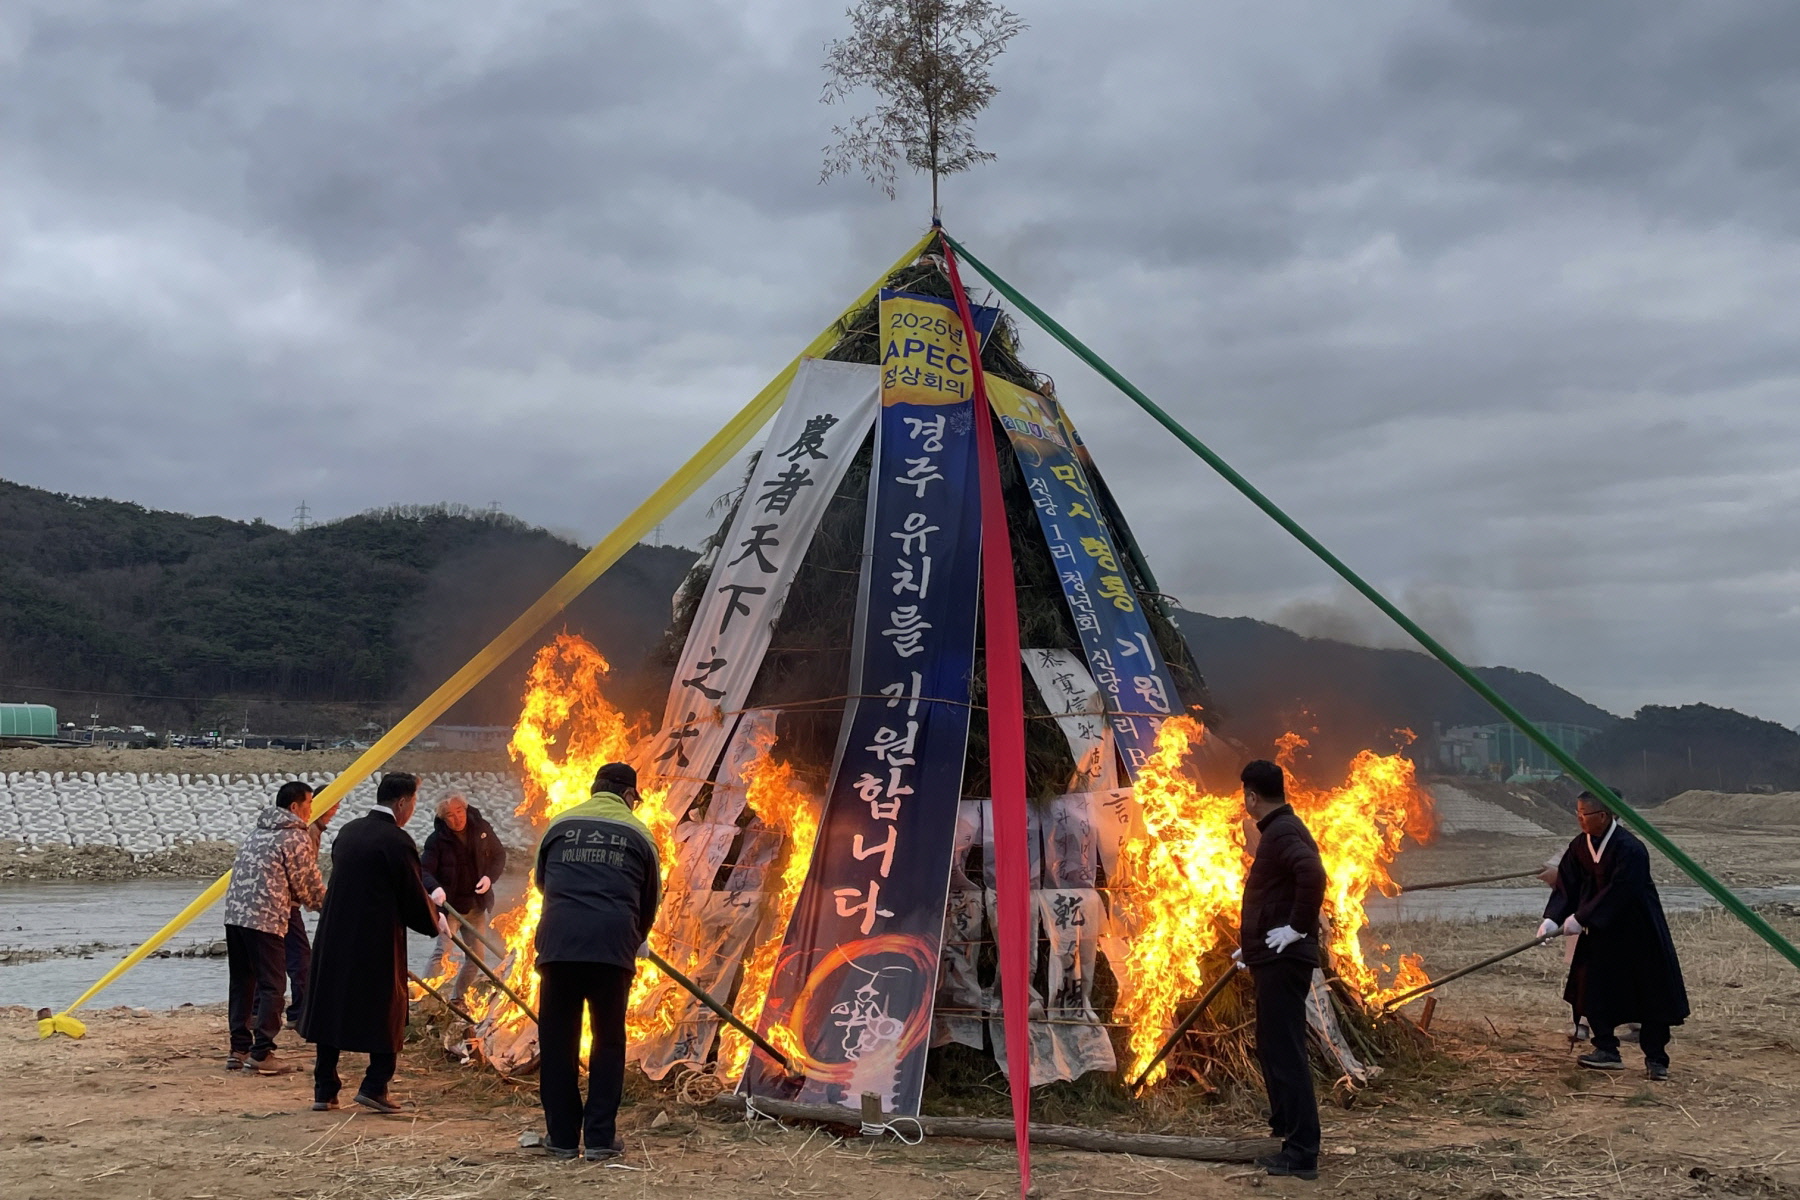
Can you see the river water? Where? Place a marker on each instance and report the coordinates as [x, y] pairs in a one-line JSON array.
[[39, 915], [47, 915]]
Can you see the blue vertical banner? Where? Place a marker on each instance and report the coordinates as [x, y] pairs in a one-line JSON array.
[[850, 1002], [1122, 655]]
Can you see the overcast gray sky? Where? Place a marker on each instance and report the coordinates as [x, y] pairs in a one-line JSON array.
[[1498, 298]]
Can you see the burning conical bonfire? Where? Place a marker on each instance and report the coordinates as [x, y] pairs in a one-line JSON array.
[[818, 781]]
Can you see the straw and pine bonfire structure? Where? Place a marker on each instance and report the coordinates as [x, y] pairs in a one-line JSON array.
[[1136, 889]]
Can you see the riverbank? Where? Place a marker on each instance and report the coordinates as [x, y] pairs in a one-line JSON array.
[[1499, 1111]]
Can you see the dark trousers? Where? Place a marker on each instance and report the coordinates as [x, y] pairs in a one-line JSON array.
[[299, 965], [568, 989], [374, 1081], [1281, 988], [1653, 1038], [254, 988]]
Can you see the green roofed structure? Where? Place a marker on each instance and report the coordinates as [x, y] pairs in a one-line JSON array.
[[27, 720]]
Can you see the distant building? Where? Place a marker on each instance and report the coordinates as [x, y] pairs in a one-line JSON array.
[[27, 721], [1502, 752], [467, 737]]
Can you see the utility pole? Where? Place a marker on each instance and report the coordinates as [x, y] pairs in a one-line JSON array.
[[302, 518]]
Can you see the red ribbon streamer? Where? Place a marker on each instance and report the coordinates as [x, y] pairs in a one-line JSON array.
[[1006, 747]]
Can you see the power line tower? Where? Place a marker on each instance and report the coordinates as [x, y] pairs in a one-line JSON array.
[[302, 518]]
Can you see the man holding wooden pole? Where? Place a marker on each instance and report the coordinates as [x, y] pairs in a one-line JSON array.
[[1280, 944], [597, 868], [1624, 967]]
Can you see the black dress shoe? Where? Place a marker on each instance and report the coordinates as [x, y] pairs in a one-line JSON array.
[[1281, 1164], [564, 1152], [602, 1153], [325, 1106], [1657, 1072], [381, 1104]]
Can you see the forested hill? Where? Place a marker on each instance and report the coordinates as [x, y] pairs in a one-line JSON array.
[[111, 597], [306, 631]]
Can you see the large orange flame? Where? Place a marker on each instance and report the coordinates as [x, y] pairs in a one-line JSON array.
[[1181, 876], [784, 808], [567, 730]]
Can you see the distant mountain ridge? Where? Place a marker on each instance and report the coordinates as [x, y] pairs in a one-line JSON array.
[[1268, 680], [187, 616], [170, 611]]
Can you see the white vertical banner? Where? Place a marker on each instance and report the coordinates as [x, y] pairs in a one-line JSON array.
[[829, 410], [1070, 693]]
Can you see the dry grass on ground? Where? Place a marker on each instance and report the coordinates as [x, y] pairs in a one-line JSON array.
[[140, 1108]]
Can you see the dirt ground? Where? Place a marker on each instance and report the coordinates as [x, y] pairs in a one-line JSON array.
[[1498, 1111]]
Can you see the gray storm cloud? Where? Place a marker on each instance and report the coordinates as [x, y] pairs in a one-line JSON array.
[[1495, 297]]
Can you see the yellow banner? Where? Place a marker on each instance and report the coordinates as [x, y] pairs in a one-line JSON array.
[[924, 356]]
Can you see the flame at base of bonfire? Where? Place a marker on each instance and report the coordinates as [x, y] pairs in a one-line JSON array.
[[1181, 877]]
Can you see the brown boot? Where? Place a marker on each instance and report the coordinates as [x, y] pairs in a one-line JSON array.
[[270, 1064]]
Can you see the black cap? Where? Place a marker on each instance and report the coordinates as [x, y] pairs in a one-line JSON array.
[[615, 777]]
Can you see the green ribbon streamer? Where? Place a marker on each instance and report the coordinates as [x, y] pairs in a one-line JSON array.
[[1624, 811]]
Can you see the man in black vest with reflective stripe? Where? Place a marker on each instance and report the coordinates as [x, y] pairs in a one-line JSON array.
[[597, 868], [1279, 942]]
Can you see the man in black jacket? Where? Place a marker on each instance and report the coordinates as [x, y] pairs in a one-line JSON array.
[[356, 999], [1624, 968], [461, 860], [598, 870], [1279, 943]]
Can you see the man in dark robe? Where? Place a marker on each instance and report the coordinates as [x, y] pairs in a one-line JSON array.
[[1624, 968], [357, 997], [1279, 935]]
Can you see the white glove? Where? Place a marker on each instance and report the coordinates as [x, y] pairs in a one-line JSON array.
[[1237, 959], [1547, 928], [443, 925], [1281, 937], [482, 885], [643, 951], [437, 896], [1571, 927]]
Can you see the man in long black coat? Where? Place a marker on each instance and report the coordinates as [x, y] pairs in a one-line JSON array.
[[356, 999], [1279, 943], [1624, 967]]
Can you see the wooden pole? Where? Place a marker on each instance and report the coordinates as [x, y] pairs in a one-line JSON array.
[[497, 981], [724, 1014], [1485, 963], [486, 940], [1154, 1145], [1187, 1023], [1408, 888], [440, 998]]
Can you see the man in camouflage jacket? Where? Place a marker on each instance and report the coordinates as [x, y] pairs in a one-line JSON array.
[[277, 869]]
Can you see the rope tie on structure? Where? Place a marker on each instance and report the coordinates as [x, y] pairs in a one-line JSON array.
[[875, 1129]]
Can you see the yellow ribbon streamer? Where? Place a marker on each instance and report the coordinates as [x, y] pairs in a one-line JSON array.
[[719, 450]]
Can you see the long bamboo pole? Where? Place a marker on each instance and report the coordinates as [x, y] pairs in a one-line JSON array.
[[1628, 814], [1396, 1001], [717, 451]]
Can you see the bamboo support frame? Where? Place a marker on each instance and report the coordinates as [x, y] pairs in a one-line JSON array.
[[1631, 816]]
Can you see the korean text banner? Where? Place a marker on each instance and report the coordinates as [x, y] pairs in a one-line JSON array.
[[851, 999], [923, 356], [1122, 656], [829, 409]]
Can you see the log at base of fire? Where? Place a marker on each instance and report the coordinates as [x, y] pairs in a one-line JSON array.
[[1154, 1145]]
